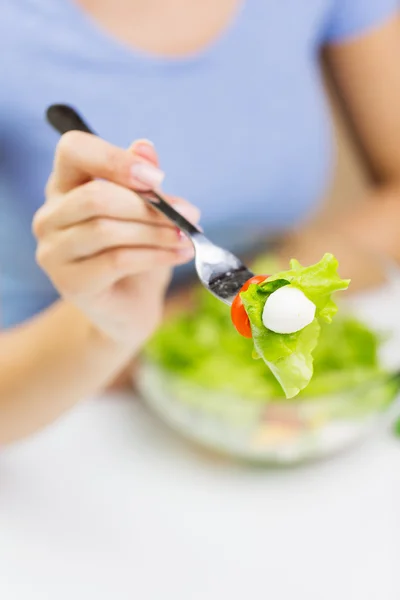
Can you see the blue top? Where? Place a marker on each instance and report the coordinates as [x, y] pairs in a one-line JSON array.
[[242, 127]]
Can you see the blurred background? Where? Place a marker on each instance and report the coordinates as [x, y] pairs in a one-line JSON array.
[[192, 477]]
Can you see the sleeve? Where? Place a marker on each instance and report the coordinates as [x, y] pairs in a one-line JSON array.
[[350, 18]]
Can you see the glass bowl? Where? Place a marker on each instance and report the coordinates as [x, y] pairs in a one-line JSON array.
[[318, 423]]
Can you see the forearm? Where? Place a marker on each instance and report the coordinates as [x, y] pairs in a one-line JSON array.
[[50, 363], [376, 225], [359, 237]]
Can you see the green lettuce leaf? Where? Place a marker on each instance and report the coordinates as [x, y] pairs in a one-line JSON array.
[[318, 282], [289, 356], [203, 355]]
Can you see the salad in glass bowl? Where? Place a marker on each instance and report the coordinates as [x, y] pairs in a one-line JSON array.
[[340, 381]]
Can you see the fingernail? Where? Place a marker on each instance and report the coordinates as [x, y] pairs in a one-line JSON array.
[[147, 174], [145, 146], [181, 236], [145, 141]]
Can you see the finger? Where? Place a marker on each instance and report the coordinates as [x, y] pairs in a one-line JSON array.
[[82, 156], [100, 272], [98, 235], [145, 149], [95, 199], [103, 199]]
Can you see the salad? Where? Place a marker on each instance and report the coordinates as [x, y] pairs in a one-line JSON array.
[[204, 350], [199, 375], [283, 314]]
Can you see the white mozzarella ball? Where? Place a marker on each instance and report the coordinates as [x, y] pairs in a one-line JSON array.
[[288, 310]]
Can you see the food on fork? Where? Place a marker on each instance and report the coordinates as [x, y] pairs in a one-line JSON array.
[[283, 312]]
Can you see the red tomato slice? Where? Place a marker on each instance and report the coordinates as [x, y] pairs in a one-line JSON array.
[[239, 316]]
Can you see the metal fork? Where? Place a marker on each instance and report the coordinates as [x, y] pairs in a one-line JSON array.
[[220, 271]]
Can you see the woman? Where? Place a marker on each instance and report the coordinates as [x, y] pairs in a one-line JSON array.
[[230, 93]]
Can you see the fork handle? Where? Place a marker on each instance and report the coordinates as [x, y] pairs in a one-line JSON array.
[[65, 118]]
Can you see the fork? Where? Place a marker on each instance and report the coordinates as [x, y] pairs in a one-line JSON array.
[[221, 272]]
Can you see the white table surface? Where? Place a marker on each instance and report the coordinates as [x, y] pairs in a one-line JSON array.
[[108, 504]]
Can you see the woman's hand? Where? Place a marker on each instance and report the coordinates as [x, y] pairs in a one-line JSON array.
[[104, 249]]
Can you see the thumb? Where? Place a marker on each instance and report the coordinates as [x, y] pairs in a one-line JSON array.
[[146, 171]]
